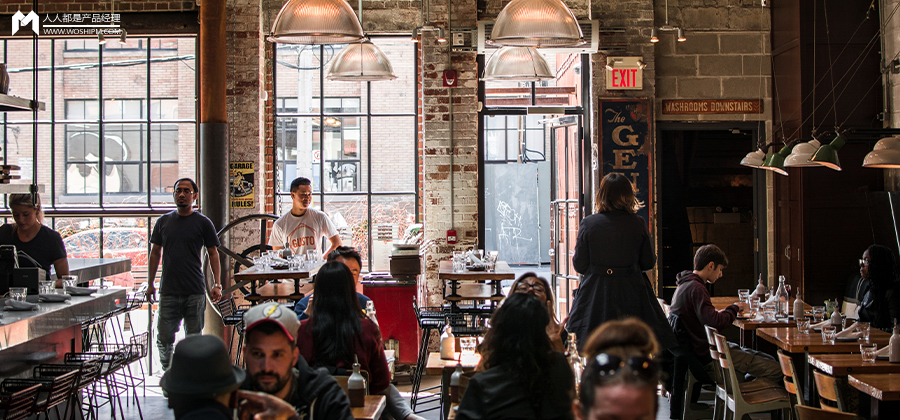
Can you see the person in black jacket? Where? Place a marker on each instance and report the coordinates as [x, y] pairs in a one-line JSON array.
[[524, 378], [612, 250], [202, 383], [880, 304]]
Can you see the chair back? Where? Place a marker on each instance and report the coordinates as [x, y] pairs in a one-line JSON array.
[[812, 413], [829, 399], [226, 306], [18, 402], [140, 345], [731, 381], [787, 369], [60, 388]]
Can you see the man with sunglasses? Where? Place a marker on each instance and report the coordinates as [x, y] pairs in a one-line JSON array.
[[303, 227], [692, 304]]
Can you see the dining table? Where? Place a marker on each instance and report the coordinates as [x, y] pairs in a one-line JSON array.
[[437, 366], [747, 325], [454, 280], [850, 364], [371, 409], [884, 391], [253, 275]]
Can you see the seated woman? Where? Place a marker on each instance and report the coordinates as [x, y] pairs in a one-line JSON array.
[[880, 303], [525, 378], [620, 379], [43, 245], [531, 284], [339, 333]]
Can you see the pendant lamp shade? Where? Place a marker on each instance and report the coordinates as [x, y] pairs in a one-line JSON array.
[[363, 61], [775, 161], [754, 159], [827, 154], [316, 22], [517, 63], [536, 23], [886, 154], [799, 157]]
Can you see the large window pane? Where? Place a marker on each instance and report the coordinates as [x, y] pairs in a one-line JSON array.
[[297, 75], [350, 215], [20, 66], [394, 159], [392, 97], [172, 60]]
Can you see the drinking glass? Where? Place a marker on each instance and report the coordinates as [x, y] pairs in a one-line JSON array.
[[868, 352], [754, 305], [18, 293], [467, 345], [803, 325], [492, 259], [459, 262], [311, 257], [828, 333], [47, 286], [818, 313], [863, 327], [829, 308], [294, 263], [743, 295], [769, 312], [69, 280], [260, 263]]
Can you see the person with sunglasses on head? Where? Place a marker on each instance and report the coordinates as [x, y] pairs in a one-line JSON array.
[[303, 227], [523, 377], [530, 283], [620, 379], [880, 303]]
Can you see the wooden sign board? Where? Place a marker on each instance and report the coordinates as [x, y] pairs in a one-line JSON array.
[[712, 106]]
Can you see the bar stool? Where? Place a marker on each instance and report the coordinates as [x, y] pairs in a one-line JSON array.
[[58, 383], [110, 364], [430, 319], [234, 318], [17, 400]]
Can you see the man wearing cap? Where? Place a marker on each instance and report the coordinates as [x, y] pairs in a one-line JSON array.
[[274, 366]]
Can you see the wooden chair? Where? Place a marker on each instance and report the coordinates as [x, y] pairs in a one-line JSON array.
[[790, 384], [741, 402], [812, 413], [829, 395], [721, 393], [686, 365], [17, 400]]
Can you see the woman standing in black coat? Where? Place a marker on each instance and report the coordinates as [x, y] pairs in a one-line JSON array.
[[612, 251]]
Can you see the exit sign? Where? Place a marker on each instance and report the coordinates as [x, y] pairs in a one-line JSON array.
[[624, 73]]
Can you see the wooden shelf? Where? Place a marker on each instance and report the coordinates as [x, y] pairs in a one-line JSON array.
[[15, 103]]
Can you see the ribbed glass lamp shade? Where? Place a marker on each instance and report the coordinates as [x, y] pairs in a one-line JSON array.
[[802, 152], [517, 63], [775, 161], [754, 159], [316, 22], [827, 154], [536, 23], [360, 62], [886, 154]]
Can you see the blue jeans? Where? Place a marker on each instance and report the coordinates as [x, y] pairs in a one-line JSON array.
[[172, 309]]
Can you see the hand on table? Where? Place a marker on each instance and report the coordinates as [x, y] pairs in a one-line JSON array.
[[743, 306]]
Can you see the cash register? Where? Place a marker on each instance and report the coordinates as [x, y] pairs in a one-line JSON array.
[[11, 275]]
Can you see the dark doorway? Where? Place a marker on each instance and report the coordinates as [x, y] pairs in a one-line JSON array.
[[706, 196]]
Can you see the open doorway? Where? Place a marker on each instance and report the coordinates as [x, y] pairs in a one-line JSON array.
[[706, 196]]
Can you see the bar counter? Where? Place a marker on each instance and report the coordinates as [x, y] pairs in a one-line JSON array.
[[95, 268]]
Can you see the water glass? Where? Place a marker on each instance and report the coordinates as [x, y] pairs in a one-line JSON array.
[[803, 325], [743, 295], [754, 305], [294, 263], [769, 312], [312, 257], [492, 259], [459, 261], [18, 293], [260, 263], [828, 333], [47, 287], [863, 327], [467, 345], [818, 313], [868, 352], [69, 280]]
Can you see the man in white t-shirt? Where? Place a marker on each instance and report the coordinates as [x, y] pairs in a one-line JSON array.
[[303, 227]]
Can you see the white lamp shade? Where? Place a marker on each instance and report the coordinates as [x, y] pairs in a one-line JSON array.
[[754, 159], [517, 63], [885, 154], [801, 153], [536, 23], [316, 22], [360, 62]]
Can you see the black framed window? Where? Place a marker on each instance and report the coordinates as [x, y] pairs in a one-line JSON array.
[[514, 138]]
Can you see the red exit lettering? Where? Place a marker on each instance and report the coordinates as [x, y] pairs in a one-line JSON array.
[[624, 78]]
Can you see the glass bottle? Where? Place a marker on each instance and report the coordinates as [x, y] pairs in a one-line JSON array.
[[799, 307], [454, 384], [781, 299], [356, 387], [575, 360], [895, 345], [448, 343], [760, 291]]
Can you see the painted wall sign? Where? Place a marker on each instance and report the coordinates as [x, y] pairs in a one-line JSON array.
[[627, 146], [712, 106], [242, 185]]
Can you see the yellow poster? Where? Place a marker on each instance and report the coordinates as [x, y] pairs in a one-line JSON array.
[[242, 186]]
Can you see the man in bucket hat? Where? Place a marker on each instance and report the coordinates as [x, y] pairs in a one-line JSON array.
[[274, 366]]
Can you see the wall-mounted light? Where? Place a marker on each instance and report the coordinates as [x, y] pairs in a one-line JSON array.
[[653, 37], [666, 28]]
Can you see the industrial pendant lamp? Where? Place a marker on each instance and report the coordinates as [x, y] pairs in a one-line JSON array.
[[316, 22], [536, 23], [754, 159], [827, 154], [524, 64], [360, 62], [802, 153], [886, 154], [775, 161]]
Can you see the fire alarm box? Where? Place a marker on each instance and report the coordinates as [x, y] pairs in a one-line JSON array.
[[451, 78], [451, 236]]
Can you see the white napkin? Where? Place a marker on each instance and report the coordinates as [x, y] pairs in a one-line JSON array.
[[885, 352], [771, 300], [821, 324], [759, 317], [849, 333]]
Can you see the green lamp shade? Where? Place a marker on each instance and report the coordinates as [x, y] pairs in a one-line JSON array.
[[827, 154], [775, 161]]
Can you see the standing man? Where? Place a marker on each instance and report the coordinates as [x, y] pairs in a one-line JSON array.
[[274, 366], [183, 233], [303, 227]]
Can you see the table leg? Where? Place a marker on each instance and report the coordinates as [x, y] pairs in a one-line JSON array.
[[296, 295], [445, 393], [253, 297], [874, 411], [809, 382]]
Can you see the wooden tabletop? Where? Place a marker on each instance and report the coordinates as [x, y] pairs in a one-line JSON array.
[[501, 272], [850, 364], [791, 341], [884, 387], [280, 291], [748, 325], [722, 302], [253, 273], [372, 409], [436, 365]]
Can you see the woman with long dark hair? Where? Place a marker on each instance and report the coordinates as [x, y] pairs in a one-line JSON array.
[[613, 250], [880, 304], [524, 378], [530, 283]]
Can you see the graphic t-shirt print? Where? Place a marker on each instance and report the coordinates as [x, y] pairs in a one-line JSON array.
[[302, 236]]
